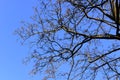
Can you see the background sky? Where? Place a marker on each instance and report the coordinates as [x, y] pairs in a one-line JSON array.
[[11, 52]]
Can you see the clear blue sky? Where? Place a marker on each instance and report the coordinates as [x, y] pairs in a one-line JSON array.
[[11, 52]]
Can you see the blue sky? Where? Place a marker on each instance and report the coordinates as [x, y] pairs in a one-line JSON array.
[[11, 52], [12, 12]]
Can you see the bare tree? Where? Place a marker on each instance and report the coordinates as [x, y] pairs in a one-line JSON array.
[[75, 39]]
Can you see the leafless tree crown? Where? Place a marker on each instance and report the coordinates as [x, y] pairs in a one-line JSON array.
[[75, 39]]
